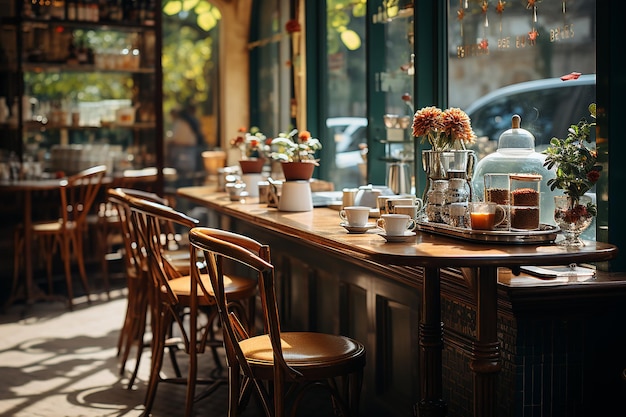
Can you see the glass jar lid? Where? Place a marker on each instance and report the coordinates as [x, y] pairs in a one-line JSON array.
[[516, 137]]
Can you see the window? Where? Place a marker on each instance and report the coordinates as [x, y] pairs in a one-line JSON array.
[[345, 103]]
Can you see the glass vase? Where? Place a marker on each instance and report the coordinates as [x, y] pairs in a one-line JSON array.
[[444, 165], [573, 218]]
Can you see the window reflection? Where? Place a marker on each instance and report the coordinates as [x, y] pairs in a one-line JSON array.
[[346, 109], [493, 44], [507, 58]]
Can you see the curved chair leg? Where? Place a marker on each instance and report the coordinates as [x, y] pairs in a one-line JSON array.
[[65, 256], [138, 331], [17, 264], [155, 367], [77, 242]]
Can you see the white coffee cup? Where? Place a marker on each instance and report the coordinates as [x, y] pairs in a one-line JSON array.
[[396, 224], [409, 209], [355, 215], [403, 201]]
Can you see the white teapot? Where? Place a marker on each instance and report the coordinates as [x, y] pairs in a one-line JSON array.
[[368, 195]]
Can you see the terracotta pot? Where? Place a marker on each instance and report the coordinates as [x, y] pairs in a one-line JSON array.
[[252, 165], [294, 171]]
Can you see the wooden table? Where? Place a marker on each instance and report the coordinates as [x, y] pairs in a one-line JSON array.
[[478, 261], [29, 292]]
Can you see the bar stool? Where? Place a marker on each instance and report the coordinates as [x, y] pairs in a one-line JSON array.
[[277, 365]]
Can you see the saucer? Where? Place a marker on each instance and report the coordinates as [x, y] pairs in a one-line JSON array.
[[357, 229], [398, 238]]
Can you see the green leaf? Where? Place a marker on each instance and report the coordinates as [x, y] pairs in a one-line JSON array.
[[173, 7], [207, 21], [359, 10], [202, 7], [351, 39], [189, 4]]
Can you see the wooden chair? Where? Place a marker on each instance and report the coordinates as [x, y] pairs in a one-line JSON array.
[[138, 283], [106, 222], [175, 297], [65, 233], [279, 366]]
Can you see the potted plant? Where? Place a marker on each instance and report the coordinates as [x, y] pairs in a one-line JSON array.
[[296, 152], [577, 172], [253, 147]]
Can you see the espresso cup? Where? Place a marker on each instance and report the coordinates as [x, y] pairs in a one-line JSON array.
[[396, 224], [355, 215], [485, 215]]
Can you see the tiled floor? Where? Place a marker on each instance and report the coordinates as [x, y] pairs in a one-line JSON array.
[[54, 362], [60, 363]]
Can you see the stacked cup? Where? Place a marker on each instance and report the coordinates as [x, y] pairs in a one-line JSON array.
[[409, 205]]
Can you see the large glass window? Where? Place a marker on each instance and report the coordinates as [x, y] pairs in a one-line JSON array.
[[498, 51], [536, 59], [345, 106], [269, 75]]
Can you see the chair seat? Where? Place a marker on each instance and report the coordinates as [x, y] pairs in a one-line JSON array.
[[307, 352], [236, 287], [179, 259]]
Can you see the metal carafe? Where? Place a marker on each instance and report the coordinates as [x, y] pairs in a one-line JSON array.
[[399, 178]]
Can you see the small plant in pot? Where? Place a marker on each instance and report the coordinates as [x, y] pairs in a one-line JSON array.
[[296, 150], [254, 148], [577, 172]]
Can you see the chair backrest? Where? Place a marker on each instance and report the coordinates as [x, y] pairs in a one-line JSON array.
[[119, 199], [78, 194], [217, 245], [148, 219]]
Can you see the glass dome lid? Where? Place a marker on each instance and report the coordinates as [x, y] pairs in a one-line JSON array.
[[516, 155], [516, 138]]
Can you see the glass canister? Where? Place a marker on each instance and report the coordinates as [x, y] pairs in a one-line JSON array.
[[435, 201], [525, 201], [457, 195], [516, 154], [497, 191]]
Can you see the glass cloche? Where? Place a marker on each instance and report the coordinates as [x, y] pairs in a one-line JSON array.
[[516, 154]]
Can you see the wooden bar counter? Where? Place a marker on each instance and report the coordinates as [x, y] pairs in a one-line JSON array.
[[396, 298]]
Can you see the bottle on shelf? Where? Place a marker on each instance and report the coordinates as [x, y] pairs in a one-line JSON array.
[[103, 11], [57, 11], [4, 110], [71, 11]]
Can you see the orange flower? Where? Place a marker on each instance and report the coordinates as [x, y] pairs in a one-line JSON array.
[[443, 129], [252, 144], [457, 126], [427, 121]]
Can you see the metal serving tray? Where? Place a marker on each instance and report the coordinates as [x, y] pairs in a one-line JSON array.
[[545, 234]]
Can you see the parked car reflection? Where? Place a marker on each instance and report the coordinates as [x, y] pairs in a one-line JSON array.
[[547, 108], [349, 133]]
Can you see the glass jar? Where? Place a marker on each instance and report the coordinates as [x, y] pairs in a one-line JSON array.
[[516, 154], [457, 195], [525, 201], [435, 201]]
